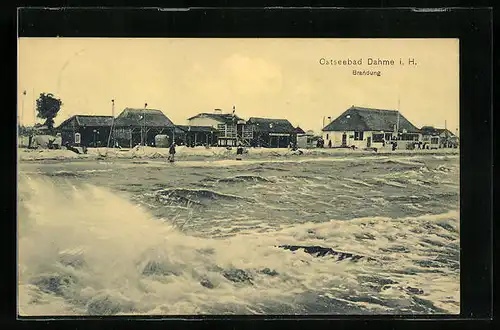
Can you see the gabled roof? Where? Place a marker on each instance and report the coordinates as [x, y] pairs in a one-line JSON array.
[[430, 130], [299, 130], [134, 117], [88, 120], [268, 125], [368, 119], [197, 129], [222, 117]]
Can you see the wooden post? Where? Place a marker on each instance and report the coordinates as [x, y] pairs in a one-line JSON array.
[[112, 123]]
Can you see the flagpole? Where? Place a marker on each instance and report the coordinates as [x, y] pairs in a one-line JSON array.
[[22, 107], [144, 124], [399, 105], [112, 122], [34, 107]]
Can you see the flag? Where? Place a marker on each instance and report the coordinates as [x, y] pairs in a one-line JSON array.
[[234, 109]]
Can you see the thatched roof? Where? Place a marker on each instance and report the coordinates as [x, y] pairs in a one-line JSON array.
[[222, 117], [367, 119], [134, 117], [268, 125], [88, 121]]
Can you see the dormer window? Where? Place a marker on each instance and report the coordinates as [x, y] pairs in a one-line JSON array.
[[348, 116]]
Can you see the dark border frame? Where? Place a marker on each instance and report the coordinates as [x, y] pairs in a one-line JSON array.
[[472, 26]]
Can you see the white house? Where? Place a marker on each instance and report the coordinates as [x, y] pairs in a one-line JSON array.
[[434, 138], [366, 127], [230, 128]]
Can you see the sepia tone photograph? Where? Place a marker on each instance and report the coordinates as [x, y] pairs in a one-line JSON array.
[[206, 176]]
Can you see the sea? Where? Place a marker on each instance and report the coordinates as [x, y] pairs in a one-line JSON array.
[[147, 237]]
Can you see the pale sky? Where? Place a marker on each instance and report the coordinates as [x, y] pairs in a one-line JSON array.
[[274, 78]]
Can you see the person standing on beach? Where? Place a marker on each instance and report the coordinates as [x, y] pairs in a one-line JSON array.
[[171, 152], [239, 150]]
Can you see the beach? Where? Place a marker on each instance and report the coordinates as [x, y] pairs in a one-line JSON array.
[[213, 153]]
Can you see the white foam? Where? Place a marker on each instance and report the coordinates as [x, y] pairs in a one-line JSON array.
[[116, 238]]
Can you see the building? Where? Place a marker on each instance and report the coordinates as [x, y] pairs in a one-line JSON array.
[[199, 135], [299, 130], [272, 133], [140, 126], [86, 130], [229, 128], [368, 128], [434, 138]]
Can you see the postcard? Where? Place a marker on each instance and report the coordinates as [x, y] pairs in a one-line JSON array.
[[206, 176]]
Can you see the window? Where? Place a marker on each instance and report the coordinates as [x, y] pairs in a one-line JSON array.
[[358, 136], [327, 136], [378, 137], [388, 136], [78, 138], [409, 137], [434, 140], [221, 127]]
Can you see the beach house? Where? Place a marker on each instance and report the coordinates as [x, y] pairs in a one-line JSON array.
[[272, 133], [305, 139], [370, 128], [199, 135], [229, 128], [86, 130], [135, 126], [434, 138]]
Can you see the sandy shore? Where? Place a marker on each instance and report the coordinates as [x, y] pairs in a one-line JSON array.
[[215, 153]]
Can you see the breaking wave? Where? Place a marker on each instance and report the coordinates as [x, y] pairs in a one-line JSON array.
[[86, 250], [193, 196], [239, 179]]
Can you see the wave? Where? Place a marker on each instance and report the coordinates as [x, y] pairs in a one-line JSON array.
[[194, 196], [67, 174], [89, 250], [403, 162], [239, 178]]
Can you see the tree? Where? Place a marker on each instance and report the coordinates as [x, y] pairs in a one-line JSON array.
[[47, 107]]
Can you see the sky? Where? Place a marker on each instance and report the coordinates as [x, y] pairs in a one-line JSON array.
[[272, 78]]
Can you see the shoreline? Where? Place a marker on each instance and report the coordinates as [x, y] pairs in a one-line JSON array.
[[212, 154]]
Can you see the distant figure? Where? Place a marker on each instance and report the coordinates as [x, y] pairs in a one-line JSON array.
[[239, 151], [171, 152], [329, 143], [394, 145]]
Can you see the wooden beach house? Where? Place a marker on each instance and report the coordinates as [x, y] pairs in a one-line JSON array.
[[135, 126], [86, 130], [199, 135], [272, 133], [229, 128]]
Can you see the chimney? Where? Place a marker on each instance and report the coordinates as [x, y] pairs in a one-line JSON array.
[[217, 110]]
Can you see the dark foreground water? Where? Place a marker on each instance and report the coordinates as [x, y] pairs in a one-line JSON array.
[[148, 237]]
